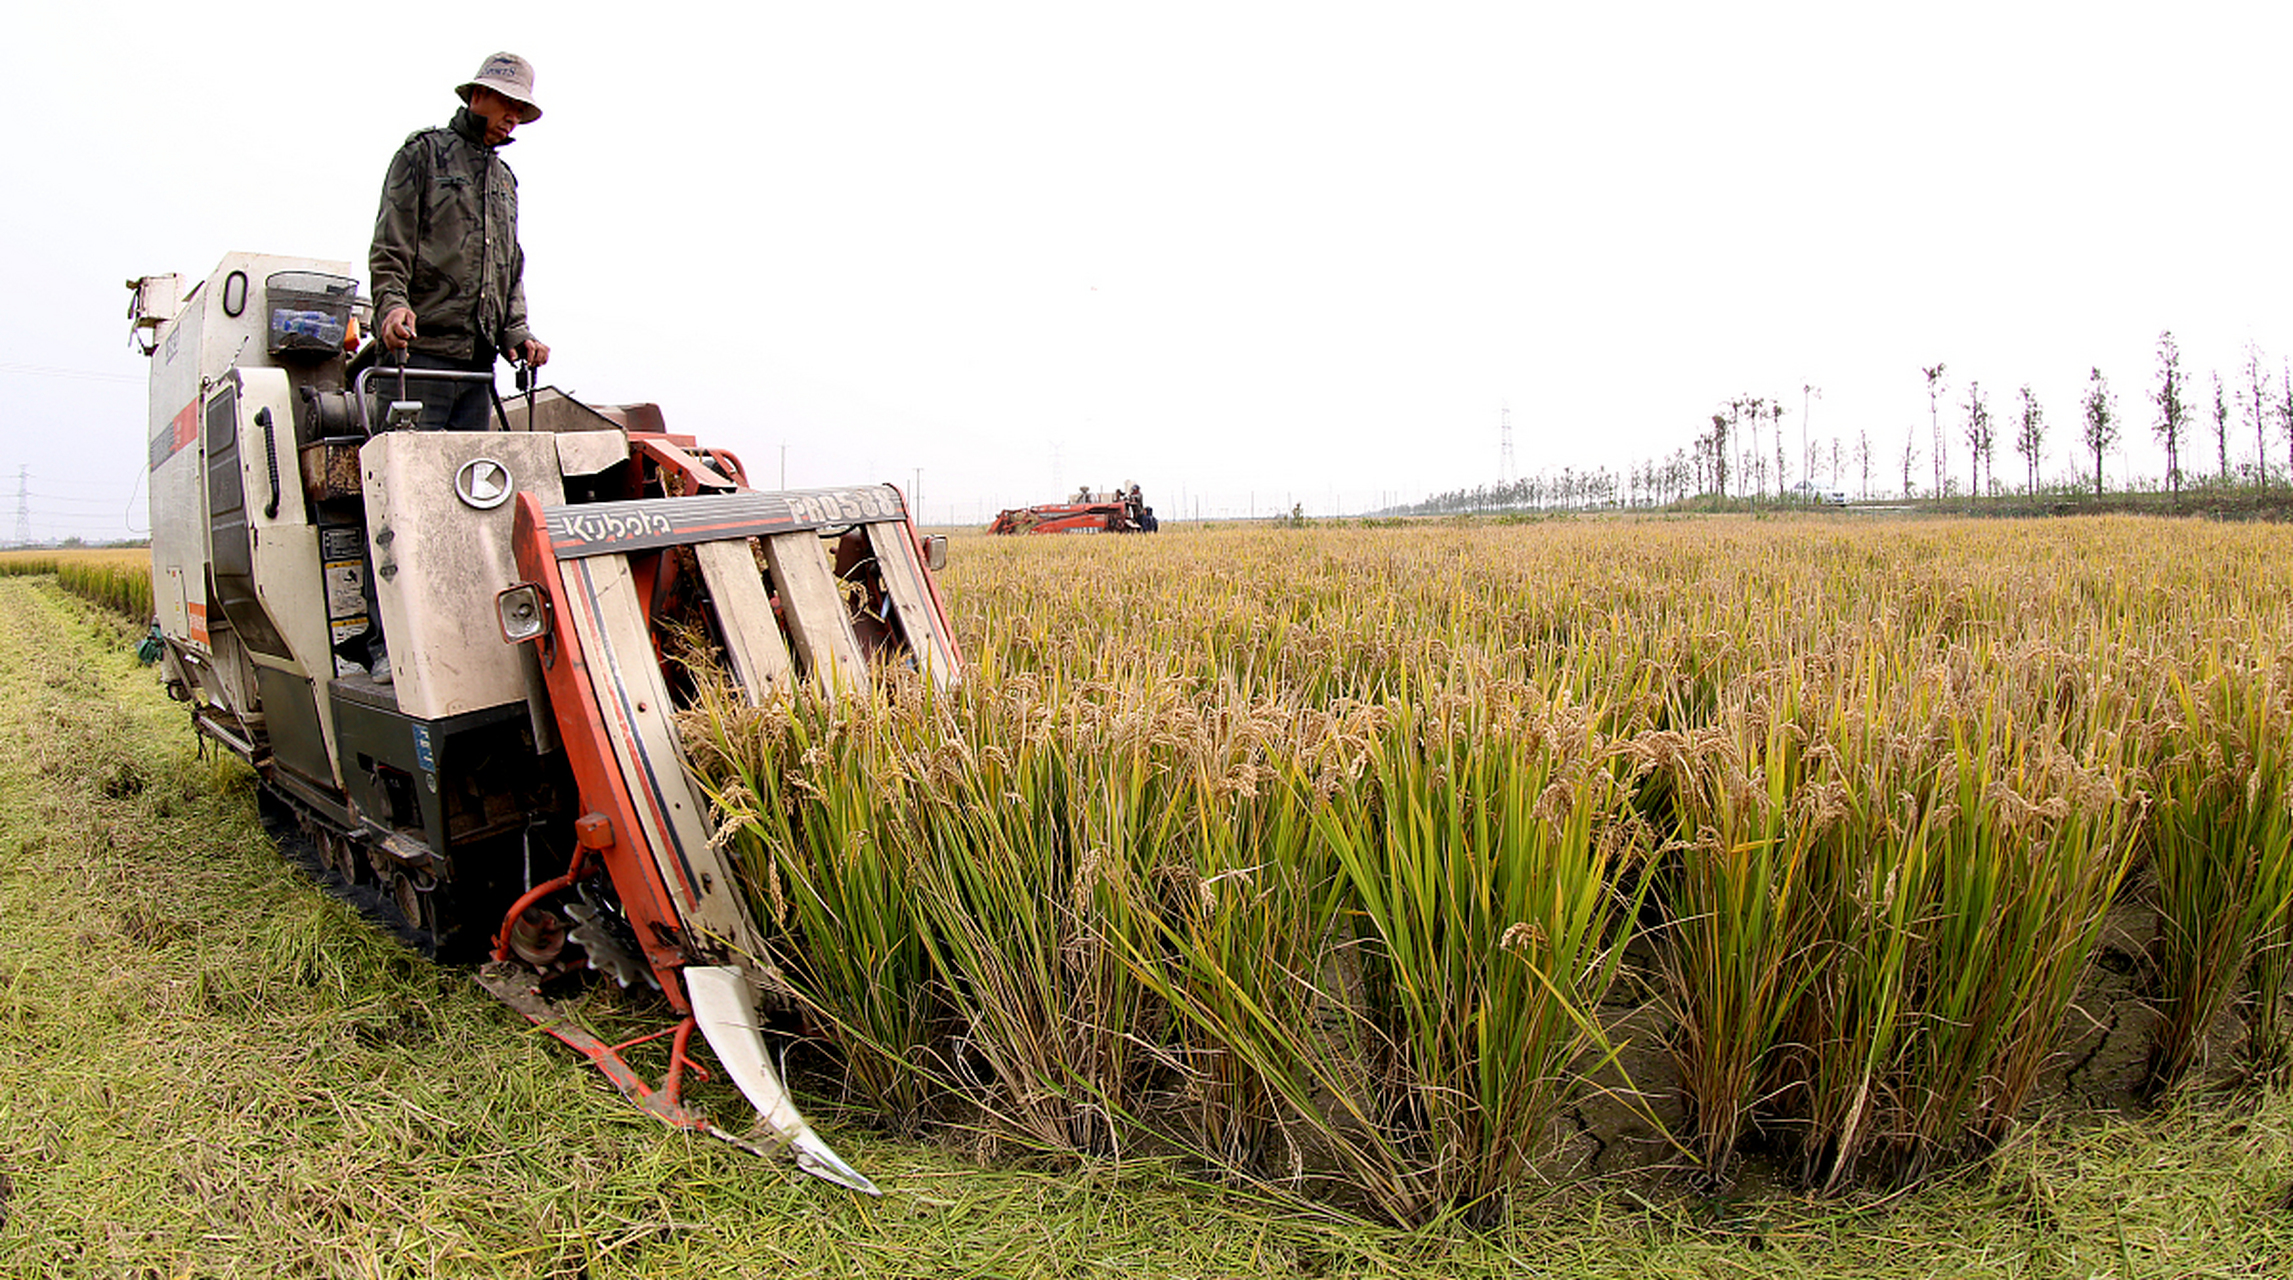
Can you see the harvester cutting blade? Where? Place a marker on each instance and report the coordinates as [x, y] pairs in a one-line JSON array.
[[724, 1006]]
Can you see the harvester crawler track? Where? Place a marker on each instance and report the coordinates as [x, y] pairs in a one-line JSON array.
[[303, 842]]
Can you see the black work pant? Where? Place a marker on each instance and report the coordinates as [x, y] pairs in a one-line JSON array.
[[446, 406]]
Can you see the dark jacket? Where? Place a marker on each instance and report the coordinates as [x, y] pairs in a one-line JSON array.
[[446, 243]]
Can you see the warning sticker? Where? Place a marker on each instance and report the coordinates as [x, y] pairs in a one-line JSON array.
[[346, 589]]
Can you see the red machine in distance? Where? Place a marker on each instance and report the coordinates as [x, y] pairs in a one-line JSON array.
[[1116, 511]]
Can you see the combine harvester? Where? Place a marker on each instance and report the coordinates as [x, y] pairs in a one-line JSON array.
[[512, 787], [1120, 511]]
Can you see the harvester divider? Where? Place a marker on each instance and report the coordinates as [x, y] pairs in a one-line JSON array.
[[520, 988], [588, 564], [724, 1004], [724, 1009]]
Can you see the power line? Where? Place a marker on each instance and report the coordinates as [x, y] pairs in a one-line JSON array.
[[40, 517], [58, 497], [69, 482], [52, 371]]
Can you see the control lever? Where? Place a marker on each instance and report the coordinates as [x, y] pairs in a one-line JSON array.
[[405, 410], [527, 380]]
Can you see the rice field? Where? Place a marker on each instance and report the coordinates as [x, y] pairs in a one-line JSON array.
[[1410, 870], [117, 578], [218, 1070], [1405, 870]]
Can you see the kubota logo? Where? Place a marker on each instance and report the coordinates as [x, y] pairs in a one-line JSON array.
[[483, 483]]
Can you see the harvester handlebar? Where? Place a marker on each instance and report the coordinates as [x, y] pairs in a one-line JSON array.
[[361, 396]]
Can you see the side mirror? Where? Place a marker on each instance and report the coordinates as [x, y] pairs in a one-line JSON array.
[[523, 613], [935, 552]]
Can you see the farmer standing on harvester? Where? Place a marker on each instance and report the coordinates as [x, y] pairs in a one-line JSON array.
[[448, 273]]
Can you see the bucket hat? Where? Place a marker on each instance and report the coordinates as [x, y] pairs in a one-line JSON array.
[[508, 75]]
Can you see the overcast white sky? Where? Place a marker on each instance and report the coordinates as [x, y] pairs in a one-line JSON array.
[[1245, 254]]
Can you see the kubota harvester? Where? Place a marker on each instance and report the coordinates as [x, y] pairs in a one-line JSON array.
[[511, 786]]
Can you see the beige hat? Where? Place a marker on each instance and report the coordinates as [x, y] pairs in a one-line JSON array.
[[510, 76]]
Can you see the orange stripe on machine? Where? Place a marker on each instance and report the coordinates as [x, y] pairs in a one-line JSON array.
[[170, 439]]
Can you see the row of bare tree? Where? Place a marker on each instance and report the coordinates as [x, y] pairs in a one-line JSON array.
[[2180, 415], [1745, 448], [2252, 405]]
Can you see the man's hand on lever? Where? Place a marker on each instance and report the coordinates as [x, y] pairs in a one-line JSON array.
[[397, 328]]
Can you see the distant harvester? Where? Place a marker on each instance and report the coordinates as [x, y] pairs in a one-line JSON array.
[[1119, 510]]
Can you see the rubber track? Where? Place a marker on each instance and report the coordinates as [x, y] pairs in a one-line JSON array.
[[371, 901]]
